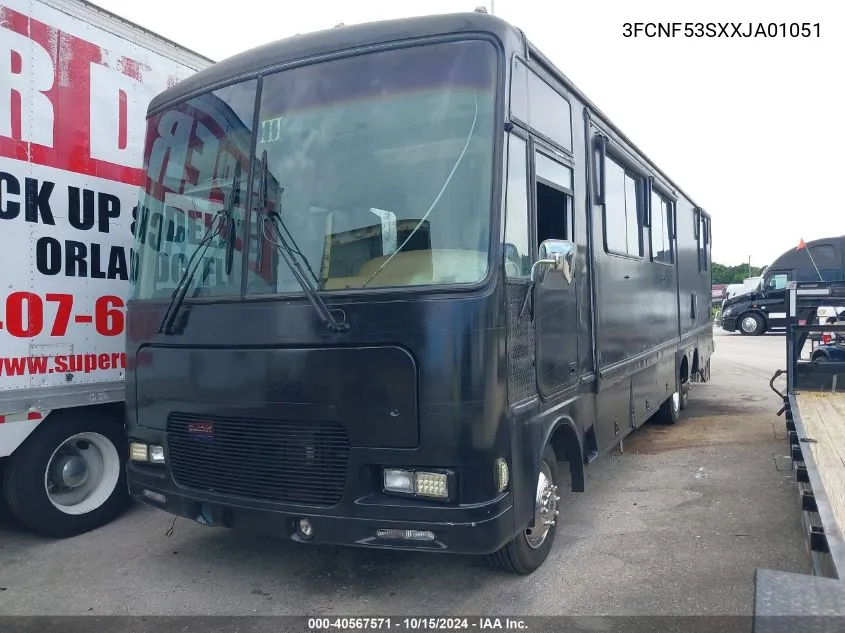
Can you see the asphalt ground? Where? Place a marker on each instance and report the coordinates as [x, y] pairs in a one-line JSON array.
[[676, 523]]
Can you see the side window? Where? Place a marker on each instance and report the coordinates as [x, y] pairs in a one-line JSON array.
[[830, 274], [540, 107], [661, 229], [703, 234], [777, 281], [553, 188], [517, 242], [621, 211]]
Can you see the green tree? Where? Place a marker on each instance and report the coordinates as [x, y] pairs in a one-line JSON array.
[[723, 274]]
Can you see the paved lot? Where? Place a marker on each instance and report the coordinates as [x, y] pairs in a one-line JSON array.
[[675, 524]]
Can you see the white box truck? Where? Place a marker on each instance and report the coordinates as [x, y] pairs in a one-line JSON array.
[[75, 82]]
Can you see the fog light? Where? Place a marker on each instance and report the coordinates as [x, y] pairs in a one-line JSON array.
[[432, 485], [406, 535], [137, 452], [158, 498], [502, 475], [306, 528], [156, 454], [398, 480]]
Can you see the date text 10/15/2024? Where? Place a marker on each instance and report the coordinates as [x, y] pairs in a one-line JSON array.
[[417, 624], [722, 29]]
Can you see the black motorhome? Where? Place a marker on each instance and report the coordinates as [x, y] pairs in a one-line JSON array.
[[764, 308], [389, 279]]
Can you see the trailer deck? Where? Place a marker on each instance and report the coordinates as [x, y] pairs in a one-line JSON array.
[[814, 407], [823, 420]]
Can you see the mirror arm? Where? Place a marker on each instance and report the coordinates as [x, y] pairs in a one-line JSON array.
[[529, 287], [529, 292]]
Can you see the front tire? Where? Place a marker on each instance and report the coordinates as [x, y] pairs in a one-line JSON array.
[[751, 324], [530, 547], [69, 476]]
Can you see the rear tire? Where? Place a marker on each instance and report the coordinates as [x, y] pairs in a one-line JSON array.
[[530, 547], [670, 411], [705, 373], [69, 476], [751, 324]]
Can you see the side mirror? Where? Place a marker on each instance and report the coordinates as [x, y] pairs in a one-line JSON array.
[[555, 255]]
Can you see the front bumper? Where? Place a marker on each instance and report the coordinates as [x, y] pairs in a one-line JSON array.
[[728, 323], [477, 529]]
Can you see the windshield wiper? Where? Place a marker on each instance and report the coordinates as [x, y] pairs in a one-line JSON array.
[[223, 217], [288, 250]]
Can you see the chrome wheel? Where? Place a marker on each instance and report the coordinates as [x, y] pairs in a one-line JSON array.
[[545, 509], [749, 324], [82, 473]]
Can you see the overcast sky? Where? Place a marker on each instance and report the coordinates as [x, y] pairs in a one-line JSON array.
[[751, 129]]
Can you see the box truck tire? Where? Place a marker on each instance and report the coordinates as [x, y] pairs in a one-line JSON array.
[[69, 476]]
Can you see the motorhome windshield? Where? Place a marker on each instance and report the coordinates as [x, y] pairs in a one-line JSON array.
[[379, 167]]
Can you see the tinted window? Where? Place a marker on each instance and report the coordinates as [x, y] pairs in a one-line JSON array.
[[517, 253], [541, 107], [380, 166], [825, 256], [196, 161], [661, 229], [621, 215], [632, 217], [703, 241]]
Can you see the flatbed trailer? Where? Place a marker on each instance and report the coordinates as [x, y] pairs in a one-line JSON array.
[[814, 412]]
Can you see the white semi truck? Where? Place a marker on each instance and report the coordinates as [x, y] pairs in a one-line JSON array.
[[75, 83]]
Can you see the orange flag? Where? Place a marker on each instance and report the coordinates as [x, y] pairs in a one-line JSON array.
[[801, 245]]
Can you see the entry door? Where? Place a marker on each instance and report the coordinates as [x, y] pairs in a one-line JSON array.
[[555, 309], [773, 297]]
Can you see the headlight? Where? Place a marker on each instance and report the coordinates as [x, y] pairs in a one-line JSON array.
[[398, 480], [157, 454], [727, 312], [434, 485], [140, 452]]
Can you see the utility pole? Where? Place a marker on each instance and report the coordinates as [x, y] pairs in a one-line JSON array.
[[492, 7], [749, 266]]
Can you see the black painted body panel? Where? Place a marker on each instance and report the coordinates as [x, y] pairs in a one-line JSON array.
[[459, 366], [376, 403]]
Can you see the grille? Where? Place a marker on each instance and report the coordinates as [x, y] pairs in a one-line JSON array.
[[522, 381], [270, 460]]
